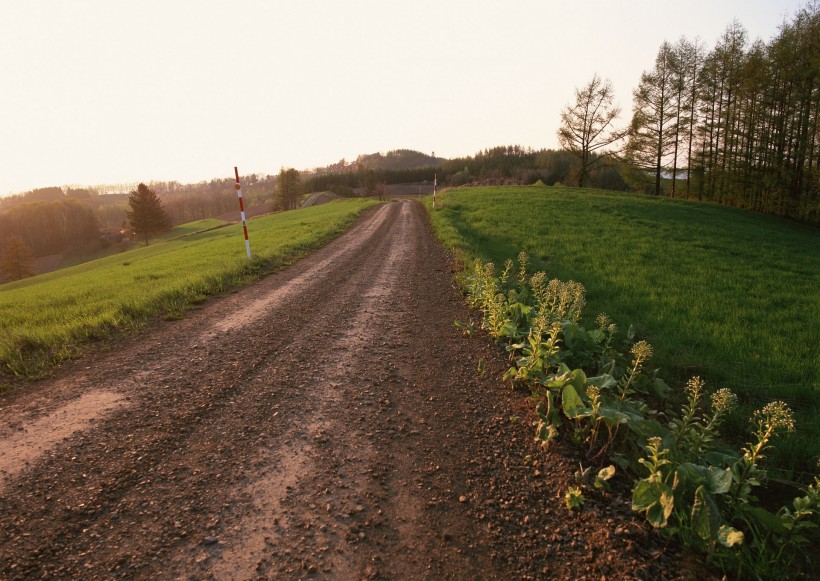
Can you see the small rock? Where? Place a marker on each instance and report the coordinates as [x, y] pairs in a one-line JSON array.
[[209, 540]]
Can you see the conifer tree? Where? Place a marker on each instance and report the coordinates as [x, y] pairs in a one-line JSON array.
[[652, 135], [146, 214]]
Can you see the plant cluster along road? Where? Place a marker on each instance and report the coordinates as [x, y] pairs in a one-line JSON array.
[[328, 421]]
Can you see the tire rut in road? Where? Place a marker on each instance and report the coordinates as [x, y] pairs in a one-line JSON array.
[[324, 440]]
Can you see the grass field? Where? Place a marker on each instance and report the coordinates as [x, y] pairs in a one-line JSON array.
[[719, 292], [190, 228], [47, 318]]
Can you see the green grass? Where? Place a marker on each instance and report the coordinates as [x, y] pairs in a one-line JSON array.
[[719, 292], [190, 228], [47, 318], [117, 248]]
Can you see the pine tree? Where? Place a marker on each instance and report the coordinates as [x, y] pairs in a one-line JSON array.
[[16, 260], [146, 214]]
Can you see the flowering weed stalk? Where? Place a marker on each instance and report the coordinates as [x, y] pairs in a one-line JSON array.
[[694, 488], [774, 418]]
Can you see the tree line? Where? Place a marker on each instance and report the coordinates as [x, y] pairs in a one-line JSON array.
[[50, 227], [511, 162], [737, 124], [182, 202]]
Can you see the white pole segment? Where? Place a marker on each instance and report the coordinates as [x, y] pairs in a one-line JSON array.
[[242, 212]]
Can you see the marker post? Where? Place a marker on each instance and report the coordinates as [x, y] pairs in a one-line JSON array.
[[435, 182], [242, 212]]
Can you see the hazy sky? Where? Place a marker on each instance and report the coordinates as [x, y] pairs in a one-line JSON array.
[[104, 91]]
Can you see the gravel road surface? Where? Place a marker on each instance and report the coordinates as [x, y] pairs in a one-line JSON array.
[[328, 421]]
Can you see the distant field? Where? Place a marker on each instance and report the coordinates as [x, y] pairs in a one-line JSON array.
[[722, 293], [46, 318], [117, 248], [191, 228]]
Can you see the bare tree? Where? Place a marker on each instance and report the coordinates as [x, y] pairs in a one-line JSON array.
[[586, 126]]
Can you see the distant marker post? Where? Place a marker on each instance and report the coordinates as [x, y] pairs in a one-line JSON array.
[[435, 182], [242, 212]]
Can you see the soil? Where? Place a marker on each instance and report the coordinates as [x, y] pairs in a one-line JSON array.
[[328, 421]]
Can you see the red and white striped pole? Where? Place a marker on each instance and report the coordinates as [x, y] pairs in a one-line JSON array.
[[435, 183], [242, 212]]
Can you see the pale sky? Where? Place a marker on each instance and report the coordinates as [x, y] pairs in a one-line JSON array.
[[110, 91]]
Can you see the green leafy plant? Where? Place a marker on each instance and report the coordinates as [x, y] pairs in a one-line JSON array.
[[774, 418], [652, 495], [687, 484], [467, 328], [601, 479], [574, 498]]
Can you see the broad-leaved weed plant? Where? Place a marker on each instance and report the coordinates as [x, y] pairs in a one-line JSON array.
[[593, 386]]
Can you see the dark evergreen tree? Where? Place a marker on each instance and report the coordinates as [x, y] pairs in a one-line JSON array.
[[146, 214]]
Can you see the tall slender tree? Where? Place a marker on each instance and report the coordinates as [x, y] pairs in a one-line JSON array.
[[146, 214], [689, 60], [587, 126], [743, 119], [651, 135]]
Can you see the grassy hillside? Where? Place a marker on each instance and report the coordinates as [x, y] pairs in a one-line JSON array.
[[190, 228], [721, 293], [46, 318]]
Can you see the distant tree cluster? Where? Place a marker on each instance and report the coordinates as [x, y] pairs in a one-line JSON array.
[[289, 190], [508, 163], [182, 202], [527, 166], [16, 260], [736, 125], [188, 202], [399, 159], [50, 227]]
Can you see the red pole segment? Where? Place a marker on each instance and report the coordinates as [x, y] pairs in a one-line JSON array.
[[242, 211]]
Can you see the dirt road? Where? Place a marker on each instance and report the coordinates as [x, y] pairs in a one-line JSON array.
[[328, 421]]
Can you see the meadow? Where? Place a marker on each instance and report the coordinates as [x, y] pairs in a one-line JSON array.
[[190, 228], [47, 318], [719, 292]]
